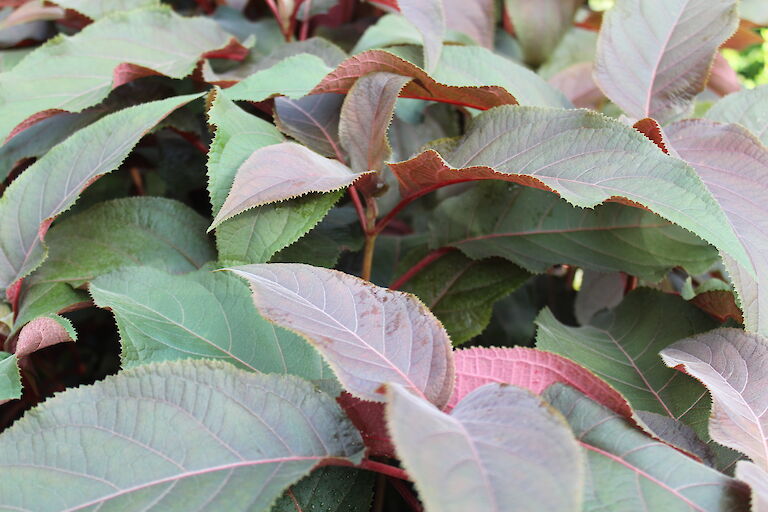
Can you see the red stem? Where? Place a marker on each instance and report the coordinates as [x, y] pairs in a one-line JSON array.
[[359, 208], [276, 13], [407, 495], [384, 469], [418, 267], [192, 138], [305, 24]]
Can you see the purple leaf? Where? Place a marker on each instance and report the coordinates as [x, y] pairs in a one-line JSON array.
[[429, 19], [369, 335], [475, 18], [312, 120]]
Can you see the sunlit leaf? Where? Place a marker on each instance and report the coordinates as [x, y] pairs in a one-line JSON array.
[[748, 108]]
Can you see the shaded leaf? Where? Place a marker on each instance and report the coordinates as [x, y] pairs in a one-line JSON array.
[[581, 155], [461, 292], [598, 291], [536, 230], [163, 317], [622, 346], [43, 332], [369, 419], [369, 335], [40, 299], [10, 380], [476, 19], [748, 108], [677, 434], [539, 26], [757, 479], [312, 120], [577, 84], [428, 17], [329, 489], [215, 429], [653, 56], [282, 171], [365, 118], [72, 73], [534, 370], [734, 166], [628, 471], [731, 364], [423, 86], [500, 449], [52, 184]]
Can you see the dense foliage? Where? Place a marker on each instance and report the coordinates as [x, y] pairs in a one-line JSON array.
[[441, 255]]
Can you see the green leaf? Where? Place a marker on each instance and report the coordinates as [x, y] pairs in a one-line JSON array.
[[622, 347], [293, 77], [461, 292], [164, 317], [97, 9], [501, 448], [257, 235], [536, 230], [75, 72], [10, 380], [330, 489], [628, 471], [40, 299], [208, 436], [748, 108], [52, 184], [539, 26], [583, 156], [150, 231]]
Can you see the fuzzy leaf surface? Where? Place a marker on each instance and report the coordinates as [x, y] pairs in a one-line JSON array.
[[215, 430], [71, 73], [96, 9], [732, 365], [622, 346], [628, 471], [52, 184], [369, 335], [653, 56], [501, 449]]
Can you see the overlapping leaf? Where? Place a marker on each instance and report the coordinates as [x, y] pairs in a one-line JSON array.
[[96, 9], [581, 155], [312, 120], [500, 449], [732, 364], [627, 470], [539, 26], [214, 431], [536, 229], [10, 380], [329, 489], [428, 16], [748, 108], [622, 348], [475, 19], [369, 335], [653, 56], [72, 73], [53, 183], [734, 166], [293, 77], [757, 479]]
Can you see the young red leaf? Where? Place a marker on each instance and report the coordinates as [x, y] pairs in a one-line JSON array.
[[502, 448], [369, 335], [653, 56], [282, 171], [534, 370], [368, 418], [423, 86]]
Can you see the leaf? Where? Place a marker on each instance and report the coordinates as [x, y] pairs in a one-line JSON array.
[[622, 347], [72, 73], [153, 231], [279, 172], [428, 17], [598, 291], [754, 11], [52, 184], [365, 117], [293, 77], [312, 120], [329, 489], [577, 84], [214, 430], [97, 9], [534, 370], [41, 299], [581, 155], [748, 108], [731, 364], [539, 26], [476, 19], [369, 335], [733, 165], [627, 470], [162, 317], [502, 448], [10, 380], [422, 86], [653, 56], [43, 332], [677, 434], [461, 292], [757, 479], [536, 229], [368, 418]]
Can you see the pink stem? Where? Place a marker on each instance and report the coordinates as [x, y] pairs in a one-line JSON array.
[[418, 267]]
